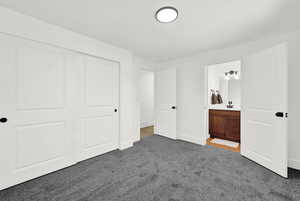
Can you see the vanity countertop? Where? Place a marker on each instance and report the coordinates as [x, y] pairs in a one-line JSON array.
[[223, 107]]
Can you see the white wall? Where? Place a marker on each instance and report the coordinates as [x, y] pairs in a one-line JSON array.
[[141, 64], [212, 79], [30, 28], [216, 81], [203, 59], [146, 98], [234, 92]]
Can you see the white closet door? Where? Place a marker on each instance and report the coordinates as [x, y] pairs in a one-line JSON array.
[[264, 94], [60, 109], [99, 115], [35, 139], [165, 103]]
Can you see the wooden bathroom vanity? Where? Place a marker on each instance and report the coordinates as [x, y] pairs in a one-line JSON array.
[[224, 124]]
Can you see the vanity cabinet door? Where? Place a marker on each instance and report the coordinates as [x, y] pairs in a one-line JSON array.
[[219, 126], [211, 122], [232, 128], [216, 124]]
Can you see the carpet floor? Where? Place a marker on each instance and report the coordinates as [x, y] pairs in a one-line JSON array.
[[160, 169]]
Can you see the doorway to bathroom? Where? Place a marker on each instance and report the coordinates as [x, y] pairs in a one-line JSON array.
[[224, 103], [260, 116], [146, 99]]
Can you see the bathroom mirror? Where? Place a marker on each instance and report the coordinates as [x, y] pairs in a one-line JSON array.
[[224, 80], [230, 90]]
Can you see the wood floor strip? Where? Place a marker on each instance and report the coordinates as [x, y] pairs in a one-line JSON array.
[[208, 142]]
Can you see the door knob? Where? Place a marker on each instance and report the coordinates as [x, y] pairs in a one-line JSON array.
[[173, 107], [116, 110], [3, 120], [279, 114]]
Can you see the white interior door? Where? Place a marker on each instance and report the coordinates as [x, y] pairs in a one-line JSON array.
[[35, 140], [99, 115], [192, 104], [165, 103], [56, 108], [264, 93]]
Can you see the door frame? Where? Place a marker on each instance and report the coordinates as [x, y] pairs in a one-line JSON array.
[[205, 135], [138, 138]]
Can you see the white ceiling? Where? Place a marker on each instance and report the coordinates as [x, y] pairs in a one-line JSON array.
[[202, 24]]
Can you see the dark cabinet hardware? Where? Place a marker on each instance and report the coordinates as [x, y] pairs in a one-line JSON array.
[[116, 110], [173, 107]]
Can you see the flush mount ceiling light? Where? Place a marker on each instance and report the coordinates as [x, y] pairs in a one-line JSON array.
[[166, 14]]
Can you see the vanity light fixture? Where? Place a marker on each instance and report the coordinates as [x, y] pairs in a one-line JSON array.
[[226, 76], [232, 75], [236, 75], [166, 14]]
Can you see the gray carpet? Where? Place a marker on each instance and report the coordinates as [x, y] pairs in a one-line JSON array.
[[159, 169]]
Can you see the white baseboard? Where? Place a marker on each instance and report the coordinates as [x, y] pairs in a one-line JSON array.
[[126, 145], [295, 164], [170, 137], [146, 124], [138, 138], [191, 139]]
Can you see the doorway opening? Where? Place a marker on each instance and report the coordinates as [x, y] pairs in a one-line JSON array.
[[146, 95], [224, 103]]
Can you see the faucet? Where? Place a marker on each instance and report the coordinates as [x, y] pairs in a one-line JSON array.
[[229, 104]]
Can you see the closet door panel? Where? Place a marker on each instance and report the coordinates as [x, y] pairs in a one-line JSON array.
[[35, 139], [61, 107], [99, 116]]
